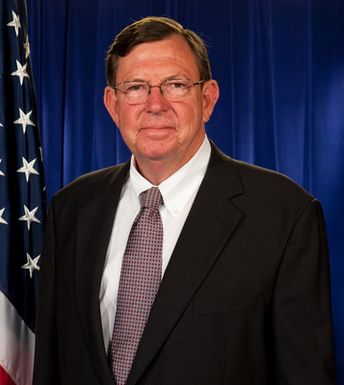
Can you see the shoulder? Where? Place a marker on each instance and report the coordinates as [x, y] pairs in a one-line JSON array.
[[91, 184], [257, 186], [265, 181]]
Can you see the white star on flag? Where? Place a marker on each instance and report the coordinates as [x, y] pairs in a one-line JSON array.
[[1, 125], [21, 72], [31, 264], [24, 119], [1, 173], [2, 220], [28, 168], [29, 216], [27, 47], [15, 23]]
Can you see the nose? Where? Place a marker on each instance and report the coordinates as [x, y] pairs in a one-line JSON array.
[[156, 102]]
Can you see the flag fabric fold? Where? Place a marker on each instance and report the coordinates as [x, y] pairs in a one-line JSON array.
[[22, 197]]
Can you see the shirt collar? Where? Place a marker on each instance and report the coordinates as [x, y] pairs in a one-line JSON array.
[[178, 188]]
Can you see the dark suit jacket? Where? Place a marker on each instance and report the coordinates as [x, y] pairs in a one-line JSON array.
[[244, 299]]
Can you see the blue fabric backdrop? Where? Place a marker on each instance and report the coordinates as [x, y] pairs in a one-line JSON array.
[[280, 64]]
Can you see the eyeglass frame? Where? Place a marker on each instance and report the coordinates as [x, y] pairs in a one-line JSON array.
[[193, 84]]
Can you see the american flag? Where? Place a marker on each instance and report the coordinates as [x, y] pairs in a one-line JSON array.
[[22, 197]]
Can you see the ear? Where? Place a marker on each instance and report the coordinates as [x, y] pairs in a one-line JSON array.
[[111, 103], [211, 93]]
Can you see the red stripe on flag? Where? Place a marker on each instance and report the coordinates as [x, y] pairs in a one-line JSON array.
[[5, 379]]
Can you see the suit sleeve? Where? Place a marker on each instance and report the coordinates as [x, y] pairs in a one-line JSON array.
[[302, 312], [46, 351]]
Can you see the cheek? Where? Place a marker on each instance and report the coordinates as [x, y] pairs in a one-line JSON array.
[[188, 116], [127, 131], [196, 117], [127, 120]]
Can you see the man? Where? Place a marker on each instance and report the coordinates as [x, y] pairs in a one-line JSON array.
[[240, 252]]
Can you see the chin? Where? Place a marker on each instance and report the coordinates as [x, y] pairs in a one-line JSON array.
[[157, 150], [157, 155]]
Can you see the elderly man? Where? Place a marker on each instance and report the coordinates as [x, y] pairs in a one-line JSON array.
[[181, 266]]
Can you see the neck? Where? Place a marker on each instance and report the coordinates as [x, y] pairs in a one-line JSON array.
[[157, 170]]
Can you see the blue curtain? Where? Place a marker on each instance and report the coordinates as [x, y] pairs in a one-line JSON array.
[[280, 64]]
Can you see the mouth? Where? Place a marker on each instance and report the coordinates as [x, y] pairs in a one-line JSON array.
[[156, 130], [156, 127]]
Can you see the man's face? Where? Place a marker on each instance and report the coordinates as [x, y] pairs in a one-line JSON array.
[[160, 130]]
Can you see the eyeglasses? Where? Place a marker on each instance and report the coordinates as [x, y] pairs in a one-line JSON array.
[[173, 90]]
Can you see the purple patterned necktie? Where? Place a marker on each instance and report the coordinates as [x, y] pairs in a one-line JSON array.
[[139, 282]]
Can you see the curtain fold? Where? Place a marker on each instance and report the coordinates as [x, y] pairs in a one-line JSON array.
[[280, 65]]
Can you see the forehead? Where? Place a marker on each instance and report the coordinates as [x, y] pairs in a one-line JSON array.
[[160, 59]]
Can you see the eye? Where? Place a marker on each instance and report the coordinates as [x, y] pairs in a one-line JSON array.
[[177, 84], [135, 87]]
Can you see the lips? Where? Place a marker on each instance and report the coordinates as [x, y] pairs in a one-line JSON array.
[[156, 132], [156, 129]]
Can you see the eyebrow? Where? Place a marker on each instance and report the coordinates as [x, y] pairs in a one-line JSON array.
[[176, 77], [171, 77], [136, 80]]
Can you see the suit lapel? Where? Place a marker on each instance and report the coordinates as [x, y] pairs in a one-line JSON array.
[[94, 227], [208, 227]]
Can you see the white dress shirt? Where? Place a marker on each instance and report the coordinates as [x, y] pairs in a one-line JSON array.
[[178, 192]]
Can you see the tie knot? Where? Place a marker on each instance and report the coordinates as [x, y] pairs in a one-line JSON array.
[[151, 198]]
